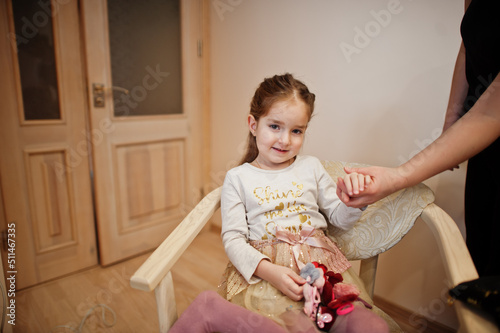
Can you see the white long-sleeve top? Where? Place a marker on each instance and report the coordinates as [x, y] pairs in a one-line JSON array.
[[254, 201]]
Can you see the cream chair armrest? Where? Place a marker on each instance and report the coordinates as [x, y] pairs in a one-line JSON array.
[[458, 264], [457, 260], [149, 275]]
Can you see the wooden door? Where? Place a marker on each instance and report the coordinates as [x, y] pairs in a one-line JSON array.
[[44, 169], [144, 71]]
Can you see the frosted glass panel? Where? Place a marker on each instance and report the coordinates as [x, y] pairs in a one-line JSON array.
[[145, 56], [36, 58]]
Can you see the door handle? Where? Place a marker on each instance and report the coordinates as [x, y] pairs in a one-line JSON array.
[[98, 90]]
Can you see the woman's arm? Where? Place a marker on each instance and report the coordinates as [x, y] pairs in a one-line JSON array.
[[459, 87], [458, 92], [475, 131]]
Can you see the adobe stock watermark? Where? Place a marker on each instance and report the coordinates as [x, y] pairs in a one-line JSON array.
[[485, 88], [216, 180], [364, 35], [420, 319], [150, 81], [421, 144], [77, 154], [417, 158], [123, 106], [104, 299], [31, 26], [223, 6]]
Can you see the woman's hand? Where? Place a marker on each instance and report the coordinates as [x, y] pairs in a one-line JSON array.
[[282, 278]]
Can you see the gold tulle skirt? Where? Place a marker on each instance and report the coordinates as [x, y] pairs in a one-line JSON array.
[[262, 297], [268, 301]]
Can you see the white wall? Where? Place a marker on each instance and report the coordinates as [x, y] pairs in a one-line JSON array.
[[378, 102]]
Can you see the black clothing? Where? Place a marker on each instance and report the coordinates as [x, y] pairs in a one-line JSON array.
[[481, 36]]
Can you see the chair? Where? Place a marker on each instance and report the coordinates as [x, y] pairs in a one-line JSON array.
[[382, 225]]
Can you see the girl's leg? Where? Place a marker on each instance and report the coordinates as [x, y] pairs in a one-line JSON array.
[[209, 312], [359, 320]]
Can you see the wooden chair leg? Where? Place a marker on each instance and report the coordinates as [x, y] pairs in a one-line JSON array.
[[165, 303], [367, 271]]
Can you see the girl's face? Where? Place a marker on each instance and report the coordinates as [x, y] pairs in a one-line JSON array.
[[280, 133]]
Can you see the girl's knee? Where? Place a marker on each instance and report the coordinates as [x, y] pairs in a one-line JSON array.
[[206, 301], [207, 297]]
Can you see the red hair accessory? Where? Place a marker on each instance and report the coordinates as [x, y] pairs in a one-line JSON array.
[[318, 265]]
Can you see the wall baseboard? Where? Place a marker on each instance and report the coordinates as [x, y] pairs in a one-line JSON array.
[[402, 316]]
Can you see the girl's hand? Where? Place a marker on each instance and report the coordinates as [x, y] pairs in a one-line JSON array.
[[384, 181], [352, 185], [282, 278]]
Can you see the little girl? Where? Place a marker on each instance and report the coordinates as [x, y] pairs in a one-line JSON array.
[[276, 204], [275, 207]]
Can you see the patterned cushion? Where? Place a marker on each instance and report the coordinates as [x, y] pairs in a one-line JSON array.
[[382, 224]]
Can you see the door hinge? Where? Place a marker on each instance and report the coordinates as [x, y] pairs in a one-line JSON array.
[[4, 239], [98, 94], [200, 48]]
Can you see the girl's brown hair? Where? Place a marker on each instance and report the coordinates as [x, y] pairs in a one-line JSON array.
[[275, 89]]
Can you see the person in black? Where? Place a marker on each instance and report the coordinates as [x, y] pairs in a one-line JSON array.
[[481, 39], [471, 131]]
